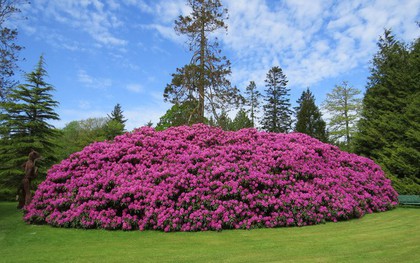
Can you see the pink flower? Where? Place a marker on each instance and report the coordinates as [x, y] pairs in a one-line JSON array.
[[203, 178]]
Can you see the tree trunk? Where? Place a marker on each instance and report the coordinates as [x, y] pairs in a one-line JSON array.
[[346, 116], [201, 84]]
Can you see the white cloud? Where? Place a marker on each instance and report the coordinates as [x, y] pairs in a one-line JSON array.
[[139, 116], [166, 31], [142, 5], [152, 110], [136, 88], [165, 13], [93, 82], [169, 10], [311, 40], [93, 17], [84, 104]]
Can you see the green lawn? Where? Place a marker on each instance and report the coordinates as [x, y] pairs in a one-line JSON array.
[[392, 236]]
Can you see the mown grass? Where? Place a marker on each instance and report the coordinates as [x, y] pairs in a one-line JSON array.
[[393, 236]]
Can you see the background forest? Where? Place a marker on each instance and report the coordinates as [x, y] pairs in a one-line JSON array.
[[381, 122]]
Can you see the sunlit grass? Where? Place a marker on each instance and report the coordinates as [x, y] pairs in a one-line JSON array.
[[392, 236]]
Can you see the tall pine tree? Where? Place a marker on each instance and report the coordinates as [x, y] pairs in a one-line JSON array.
[[277, 112], [252, 100], [204, 79], [24, 120], [309, 118], [117, 114], [389, 127]]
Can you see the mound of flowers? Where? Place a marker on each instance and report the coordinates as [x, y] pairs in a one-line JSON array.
[[202, 178]]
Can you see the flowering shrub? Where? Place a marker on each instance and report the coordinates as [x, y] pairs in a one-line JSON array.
[[203, 178]]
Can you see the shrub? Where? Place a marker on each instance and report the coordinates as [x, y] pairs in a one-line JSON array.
[[202, 178], [7, 194]]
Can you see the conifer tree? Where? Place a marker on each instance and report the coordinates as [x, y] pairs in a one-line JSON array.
[[224, 121], [309, 118], [252, 100], [24, 119], [241, 121], [389, 130], [204, 79], [277, 112], [117, 114], [116, 123]]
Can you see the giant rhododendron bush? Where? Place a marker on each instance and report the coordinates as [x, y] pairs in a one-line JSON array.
[[203, 178]]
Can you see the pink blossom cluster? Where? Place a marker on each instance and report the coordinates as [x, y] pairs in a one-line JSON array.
[[202, 178]]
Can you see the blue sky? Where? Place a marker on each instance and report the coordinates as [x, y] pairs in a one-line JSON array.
[[103, 52]]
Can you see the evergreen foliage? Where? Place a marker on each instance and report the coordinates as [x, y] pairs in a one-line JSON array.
[[389, 130], [309, 118], [252, 100], [116, 123], [241, 121], [113, 128], [277, 112], [149, 124], [224, 121], [117, 114], [24, 119], [204, 78], [343, 105]]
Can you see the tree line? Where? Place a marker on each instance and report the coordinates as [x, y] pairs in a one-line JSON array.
[[383, 124]]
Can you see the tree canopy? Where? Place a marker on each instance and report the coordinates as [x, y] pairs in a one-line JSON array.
[[252, 100], [204, 79], [343, 105], [389, 129], [179, 114], [25, 120], [116, 123], [309, 118], [277, 112]]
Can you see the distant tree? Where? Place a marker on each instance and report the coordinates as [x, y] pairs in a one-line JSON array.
[[9, 49], [116, 123], [309, 118], [224, 121], [212, 122], [69, 140], [179, 114], [78, 134], [204, 78], [241, 121], [149, 124], [389, 128], [252, 100], [343, 105], [277, 112], [24, 120], [113, 128], [117, 114]]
